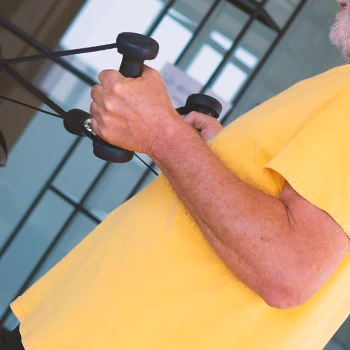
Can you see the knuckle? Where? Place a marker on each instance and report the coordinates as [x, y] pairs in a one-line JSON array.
[[193, 115], [116, 89], [108, 104], [188, 118]]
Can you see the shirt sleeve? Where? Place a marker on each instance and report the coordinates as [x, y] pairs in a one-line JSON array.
[[316, 159]]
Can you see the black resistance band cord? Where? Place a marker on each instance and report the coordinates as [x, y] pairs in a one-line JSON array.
[[60, 113]]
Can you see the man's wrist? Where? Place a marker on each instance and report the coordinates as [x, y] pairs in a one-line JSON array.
[[171, 140]]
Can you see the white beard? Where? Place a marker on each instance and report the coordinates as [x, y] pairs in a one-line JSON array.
[[340, 32]]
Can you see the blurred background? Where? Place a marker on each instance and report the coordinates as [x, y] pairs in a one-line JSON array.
[[54, 191]]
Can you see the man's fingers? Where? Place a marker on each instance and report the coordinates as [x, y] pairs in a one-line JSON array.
[[96, 94], [97, 116], [94, 110], [207, 125], [109, 77], [149, 72], [197, 120], [95, 127]]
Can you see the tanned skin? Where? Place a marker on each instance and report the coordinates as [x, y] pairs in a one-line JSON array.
[[282, 248]]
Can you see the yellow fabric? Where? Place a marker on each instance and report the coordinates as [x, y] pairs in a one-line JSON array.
[[146, 278]]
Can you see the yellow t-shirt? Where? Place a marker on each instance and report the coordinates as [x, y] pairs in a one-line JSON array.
[[147, 279]]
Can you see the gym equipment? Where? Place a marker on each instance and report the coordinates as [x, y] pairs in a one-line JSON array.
[[135, 48]]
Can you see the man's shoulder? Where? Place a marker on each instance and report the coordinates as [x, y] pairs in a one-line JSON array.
[[334, 77], [313, 91]]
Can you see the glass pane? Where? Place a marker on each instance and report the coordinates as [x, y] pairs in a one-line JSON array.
[[100, 22], [204, 64], [241, 54], [229, 81], [256, 42], [212, 43], [342, 336], [281, 10], [11, 322], [79, 228], [334, 346], [306, 39], [170, 49], [79, 171], [177, 28], [115, 186], [64, 88], [224, 26], [244, 59], [31, 162], [26, 250]]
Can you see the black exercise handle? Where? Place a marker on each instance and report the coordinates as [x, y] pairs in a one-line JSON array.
[[135, 48], [202, 103], [131, 67]]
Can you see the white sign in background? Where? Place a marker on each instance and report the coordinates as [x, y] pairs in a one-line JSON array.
[[180, 86]]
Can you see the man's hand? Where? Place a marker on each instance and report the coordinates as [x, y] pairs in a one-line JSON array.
[[133, 113], [206, 125]]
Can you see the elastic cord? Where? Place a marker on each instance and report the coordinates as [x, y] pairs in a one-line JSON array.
[[3, 145], [56, 54], [34, 90], [29, 106], [4, 65]]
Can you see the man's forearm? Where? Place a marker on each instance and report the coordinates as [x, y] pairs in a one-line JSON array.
[[244, 225]]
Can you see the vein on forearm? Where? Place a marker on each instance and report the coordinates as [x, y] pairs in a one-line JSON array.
[[239, 221]]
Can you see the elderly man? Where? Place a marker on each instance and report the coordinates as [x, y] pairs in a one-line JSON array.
[[242, 243]]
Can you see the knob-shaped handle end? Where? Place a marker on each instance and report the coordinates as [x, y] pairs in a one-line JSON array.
[[74, 120], [204, 104], [110, 153], [137, 46]]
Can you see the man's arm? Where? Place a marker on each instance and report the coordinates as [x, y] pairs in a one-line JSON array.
[[282, 248]]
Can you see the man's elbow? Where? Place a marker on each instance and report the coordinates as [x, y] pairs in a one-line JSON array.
[[288, 296]]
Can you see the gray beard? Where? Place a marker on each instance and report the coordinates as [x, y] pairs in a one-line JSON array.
[[340, 33]]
